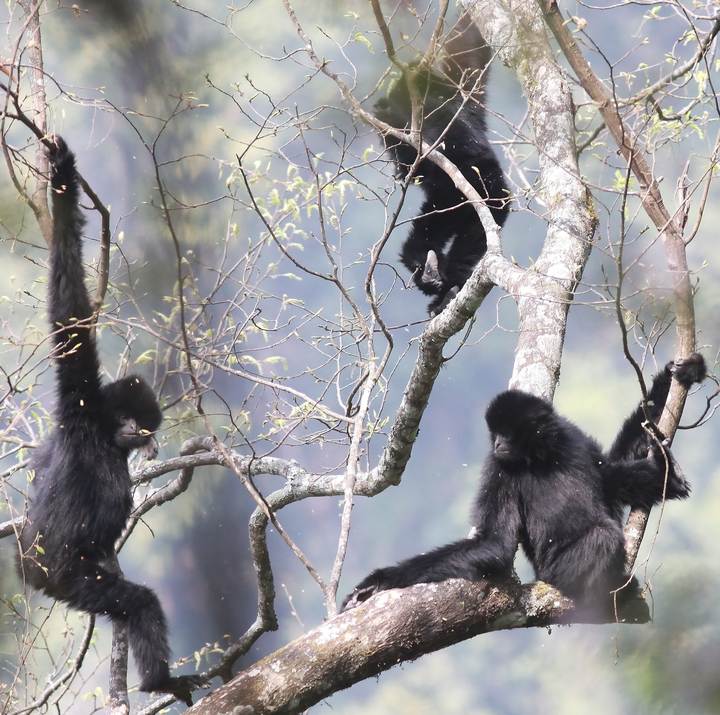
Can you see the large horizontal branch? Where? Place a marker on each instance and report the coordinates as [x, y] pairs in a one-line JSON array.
[[390, 628]]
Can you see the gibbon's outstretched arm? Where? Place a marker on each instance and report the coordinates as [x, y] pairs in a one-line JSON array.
[[632, 441], [471, 559], [489, 552], [78, 366]]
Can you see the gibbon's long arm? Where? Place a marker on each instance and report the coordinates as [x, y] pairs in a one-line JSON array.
[[70, 310], [632, 441], [489, 552]]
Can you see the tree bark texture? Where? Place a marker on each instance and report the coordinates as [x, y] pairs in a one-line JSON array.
[[393, 627], [516, 30]]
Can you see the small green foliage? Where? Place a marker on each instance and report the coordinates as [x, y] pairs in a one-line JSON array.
[[622, 182], [276, 360], [362, 39], [148, 356]]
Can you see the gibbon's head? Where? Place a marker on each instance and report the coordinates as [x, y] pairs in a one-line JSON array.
[[524, 429], [134, 413]]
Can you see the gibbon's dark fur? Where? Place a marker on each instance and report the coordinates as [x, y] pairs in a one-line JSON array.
[[446, 214], [81, 492], [549, 487]]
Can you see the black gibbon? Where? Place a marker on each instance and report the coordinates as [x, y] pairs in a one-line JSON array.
[[81, 496], [459, 123], [549, 487]]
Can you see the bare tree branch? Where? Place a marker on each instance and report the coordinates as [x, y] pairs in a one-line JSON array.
[[39, 203], [67, 677], [667, 225]]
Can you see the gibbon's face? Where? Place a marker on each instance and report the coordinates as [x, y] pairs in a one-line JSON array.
[[134, 414], [523, 448], [504, 447], [129, 435], [521, 427]]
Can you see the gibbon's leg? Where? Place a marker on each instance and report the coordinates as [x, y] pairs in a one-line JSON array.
[[467, 249], [592, 572], [428, 233], [440, 302], [470, 241], [91, 587]]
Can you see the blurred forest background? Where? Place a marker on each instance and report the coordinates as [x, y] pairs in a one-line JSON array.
[[226, 69]]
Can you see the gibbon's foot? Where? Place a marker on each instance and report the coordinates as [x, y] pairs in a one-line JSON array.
[[181, 687], [690, 370], [440, 303], [431, 275], [633, 610]]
